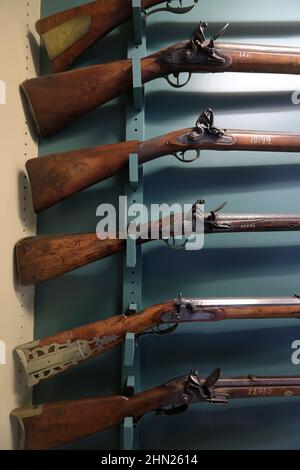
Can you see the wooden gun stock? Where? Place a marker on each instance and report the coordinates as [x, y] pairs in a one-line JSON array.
[[41, 258], [52, 425], [74, 94], [55, 424], [57, 100], [55, 177], [69, 33], [50, 356]]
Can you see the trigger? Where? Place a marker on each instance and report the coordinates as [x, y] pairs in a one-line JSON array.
[[176, 76], [172, 411], [181, 156]]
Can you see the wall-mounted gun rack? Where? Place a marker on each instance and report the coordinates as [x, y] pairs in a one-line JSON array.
[[132, 290]]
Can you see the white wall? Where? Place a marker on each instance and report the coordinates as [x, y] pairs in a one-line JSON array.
[[18, 54]]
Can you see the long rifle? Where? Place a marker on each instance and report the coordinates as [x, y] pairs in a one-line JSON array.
[[44, 358], [54, 424], [44, 257], [57, 100], [67, 34], [56, 177]]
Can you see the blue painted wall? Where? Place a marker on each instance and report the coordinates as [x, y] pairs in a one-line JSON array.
[[230, 265]]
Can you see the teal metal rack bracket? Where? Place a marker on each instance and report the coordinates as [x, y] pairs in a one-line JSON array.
[[138, 88], [127, 434], [132, 308], [137, 21], [136, 51], [130, 386], [131, 256], [128, 425], [134, 170], [132, 284], [129, 350]]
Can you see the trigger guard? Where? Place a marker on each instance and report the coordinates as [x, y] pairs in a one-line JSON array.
[[172, 411], [183, 160], [175, 10], [178, 85], [166, 331]]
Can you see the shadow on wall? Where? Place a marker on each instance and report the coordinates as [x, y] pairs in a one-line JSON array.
[[100, 126], [260, 425], [207, 346], [68, 297], [35, 52], [220, 180], [176, 31], [77, 214], [163, 104], [243, 262]]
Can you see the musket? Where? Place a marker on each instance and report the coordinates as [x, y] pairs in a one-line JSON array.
[[47, 357], [67, 34], [44, 257], [54, 424], [57, 100], [56, 177]]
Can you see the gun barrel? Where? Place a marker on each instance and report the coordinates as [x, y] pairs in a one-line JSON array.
[[216, 309], [259, 387], [235, 223]]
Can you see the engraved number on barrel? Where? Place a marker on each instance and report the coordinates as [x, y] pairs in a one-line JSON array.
[[260, 391], [248, 226], [261, 139], [245, 54]]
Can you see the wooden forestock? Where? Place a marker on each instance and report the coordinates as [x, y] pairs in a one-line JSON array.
[[118, 326], [58, 176], [69, 33], [57, 100]]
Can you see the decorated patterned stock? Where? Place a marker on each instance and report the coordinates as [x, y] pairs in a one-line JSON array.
[[58, 176], [50, 356], [57, 100], [44, 257], [67, 34], [54, 424]]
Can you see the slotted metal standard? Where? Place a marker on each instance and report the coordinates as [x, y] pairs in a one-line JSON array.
[[132, 287]]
